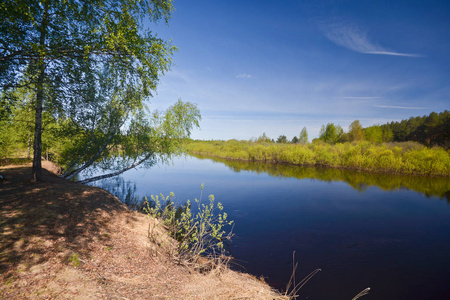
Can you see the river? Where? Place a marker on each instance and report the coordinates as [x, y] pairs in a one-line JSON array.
[[390, 233]]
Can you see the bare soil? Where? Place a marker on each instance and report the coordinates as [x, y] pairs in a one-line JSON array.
[[62, 240]]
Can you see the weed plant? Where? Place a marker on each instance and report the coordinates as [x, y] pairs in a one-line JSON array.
[[198, 234], [74, 259]]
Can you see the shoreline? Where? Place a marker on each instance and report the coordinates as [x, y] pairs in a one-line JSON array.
[[66, 240], [320, 165], [366, 170]]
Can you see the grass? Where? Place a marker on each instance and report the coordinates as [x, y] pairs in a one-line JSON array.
[[396, 158], [74, 259], [14, 161]]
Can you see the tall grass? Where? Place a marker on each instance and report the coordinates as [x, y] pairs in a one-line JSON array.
[[401, 158]]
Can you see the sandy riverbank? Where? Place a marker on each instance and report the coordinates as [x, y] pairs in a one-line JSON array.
[[62, 240]]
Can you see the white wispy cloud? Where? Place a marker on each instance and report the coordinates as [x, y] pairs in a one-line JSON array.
[[354, 39], [244, 75], [399, 107]]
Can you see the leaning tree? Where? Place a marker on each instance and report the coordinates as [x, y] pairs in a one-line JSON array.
[[92, 64]]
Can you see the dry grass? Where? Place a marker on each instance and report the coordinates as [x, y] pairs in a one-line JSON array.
[[222, 283], [62, 240]]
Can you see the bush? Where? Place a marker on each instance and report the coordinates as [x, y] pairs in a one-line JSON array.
[[404, 157], [199, 234]]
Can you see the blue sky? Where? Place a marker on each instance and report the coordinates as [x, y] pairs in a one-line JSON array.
[[279, 66]]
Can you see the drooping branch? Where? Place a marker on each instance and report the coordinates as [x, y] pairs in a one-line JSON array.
[[77, 160], [92, 159], [113, 132], [112, 174]]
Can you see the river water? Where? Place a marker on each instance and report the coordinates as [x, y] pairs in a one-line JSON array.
[[389, 233]]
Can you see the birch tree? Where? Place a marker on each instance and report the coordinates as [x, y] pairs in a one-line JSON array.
[[63, 49]]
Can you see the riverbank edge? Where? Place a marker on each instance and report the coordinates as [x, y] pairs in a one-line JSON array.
[[77, 269], [387, 171]]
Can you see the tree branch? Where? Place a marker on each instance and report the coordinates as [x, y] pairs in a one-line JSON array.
[[93, 158], [117, 172]]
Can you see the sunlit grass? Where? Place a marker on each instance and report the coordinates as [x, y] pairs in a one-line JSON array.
[[405, 158]]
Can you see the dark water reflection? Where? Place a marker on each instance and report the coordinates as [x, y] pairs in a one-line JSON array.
[[122, 189], [429, 186], [391, 233]]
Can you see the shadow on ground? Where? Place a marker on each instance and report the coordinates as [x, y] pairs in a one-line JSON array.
[[52, 217]]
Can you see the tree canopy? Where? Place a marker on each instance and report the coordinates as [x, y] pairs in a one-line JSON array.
[[356, 131], [90, 66], [303, 136], [331, 133], [282, 139]]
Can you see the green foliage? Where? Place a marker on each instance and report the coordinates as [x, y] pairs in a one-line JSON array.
[[331, 133], [430, 130], [6, 141], [282, 139], [374, 134], [74, 260], [90, 64], [263, 139], [407, 158], [17, 127], [356, 131], [198, 234], [303, 139]]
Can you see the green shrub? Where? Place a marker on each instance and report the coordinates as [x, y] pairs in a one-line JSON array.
[[197, 234], [404, 157]]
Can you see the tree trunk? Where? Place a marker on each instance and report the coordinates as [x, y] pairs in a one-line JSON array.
[[29, 146], [37, 147]]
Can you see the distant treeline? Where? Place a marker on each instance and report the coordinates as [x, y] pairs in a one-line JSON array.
[[431, 130]]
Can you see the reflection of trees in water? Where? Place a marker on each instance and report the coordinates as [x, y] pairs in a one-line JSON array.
[[429, 186], [124, 190]]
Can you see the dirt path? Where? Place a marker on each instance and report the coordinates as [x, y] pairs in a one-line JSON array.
[[62, 240]]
